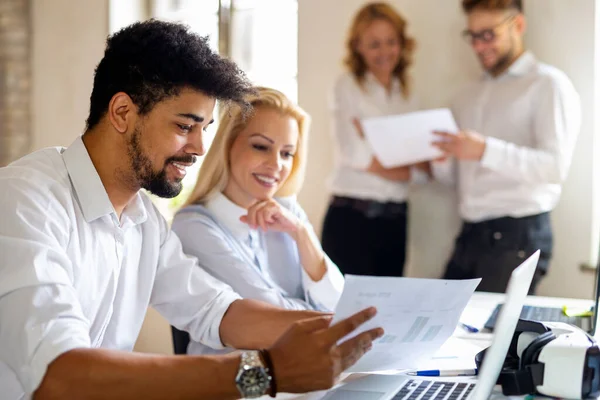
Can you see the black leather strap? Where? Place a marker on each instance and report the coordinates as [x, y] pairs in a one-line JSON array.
[[269, 364]]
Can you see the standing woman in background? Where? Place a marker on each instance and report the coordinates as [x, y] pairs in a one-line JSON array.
[[365, 229]]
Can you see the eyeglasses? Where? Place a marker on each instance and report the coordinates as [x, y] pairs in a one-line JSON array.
[[485, 35]]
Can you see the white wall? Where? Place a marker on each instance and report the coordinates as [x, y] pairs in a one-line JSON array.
[[68, 42], [564, 35], [122, 13], [560, 34]]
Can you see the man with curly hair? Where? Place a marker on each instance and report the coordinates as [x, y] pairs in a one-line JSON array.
[[83, 252], [519, 123]]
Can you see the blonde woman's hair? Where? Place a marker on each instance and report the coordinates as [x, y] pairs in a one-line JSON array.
[[363, 18], [215, 171]]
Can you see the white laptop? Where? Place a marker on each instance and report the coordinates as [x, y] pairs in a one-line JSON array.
[[403, 387]]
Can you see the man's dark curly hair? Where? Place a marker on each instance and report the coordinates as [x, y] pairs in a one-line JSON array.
[[154, 60]]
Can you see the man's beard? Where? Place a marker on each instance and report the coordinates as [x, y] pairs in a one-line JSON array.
[[504, 61], [155, 182], [502, 64]]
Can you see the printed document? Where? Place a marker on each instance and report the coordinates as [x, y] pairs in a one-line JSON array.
[[405, 139], [418, 316]]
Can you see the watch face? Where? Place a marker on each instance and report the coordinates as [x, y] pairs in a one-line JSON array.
[[253, 382]]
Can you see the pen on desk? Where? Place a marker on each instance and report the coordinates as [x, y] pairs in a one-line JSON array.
[[468, 328], [444, 372]]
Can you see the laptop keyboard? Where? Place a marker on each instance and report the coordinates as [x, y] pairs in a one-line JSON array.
[[532, 313], [434, 390]]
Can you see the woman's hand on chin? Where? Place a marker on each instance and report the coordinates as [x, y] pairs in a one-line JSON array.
[[270, 215]]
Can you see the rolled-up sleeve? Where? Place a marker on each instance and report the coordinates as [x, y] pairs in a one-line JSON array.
[[40, 315], [187, 296], [325, 293]]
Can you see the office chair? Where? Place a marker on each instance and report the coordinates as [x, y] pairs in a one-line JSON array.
[[181, 340]]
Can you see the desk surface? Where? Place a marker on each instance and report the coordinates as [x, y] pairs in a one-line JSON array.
[[476, 314]]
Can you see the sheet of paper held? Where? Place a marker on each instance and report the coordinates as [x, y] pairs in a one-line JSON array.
[[418, 316], [406, 139]]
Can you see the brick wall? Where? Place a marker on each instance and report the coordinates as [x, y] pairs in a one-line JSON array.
[[15, 79]]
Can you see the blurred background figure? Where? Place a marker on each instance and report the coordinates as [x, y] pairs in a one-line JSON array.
[[519, 123], [365, 228]]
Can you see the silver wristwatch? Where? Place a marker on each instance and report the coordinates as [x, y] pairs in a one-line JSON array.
[[253, 379]]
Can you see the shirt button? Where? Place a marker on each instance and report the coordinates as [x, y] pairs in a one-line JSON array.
[[521, 254], [497, 235]]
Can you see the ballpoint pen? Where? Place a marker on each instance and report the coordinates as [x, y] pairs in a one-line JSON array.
[[468, 328], [445, 372]]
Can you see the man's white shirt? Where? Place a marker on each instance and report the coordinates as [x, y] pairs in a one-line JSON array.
[[531, 117], [72, 275]]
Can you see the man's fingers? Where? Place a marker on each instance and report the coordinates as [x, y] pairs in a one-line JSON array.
[[446, 147], [353, 349], [348, 325], [313, 324]]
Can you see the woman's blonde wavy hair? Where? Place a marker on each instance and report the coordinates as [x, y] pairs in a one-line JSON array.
[[363, 18], [215, 171]]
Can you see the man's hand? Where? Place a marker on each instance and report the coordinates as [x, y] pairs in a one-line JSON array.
[[307, 356], [465, 145], [270, 215]]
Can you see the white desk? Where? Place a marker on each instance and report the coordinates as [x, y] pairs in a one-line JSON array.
[[476, 314]]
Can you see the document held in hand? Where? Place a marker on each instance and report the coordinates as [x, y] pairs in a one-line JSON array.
[[418, 316], [405, 139]]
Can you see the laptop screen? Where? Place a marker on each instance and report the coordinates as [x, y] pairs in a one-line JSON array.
[[516, 292]]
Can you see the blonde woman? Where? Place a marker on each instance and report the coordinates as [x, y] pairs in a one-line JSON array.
[[242, 220], [365, 228]]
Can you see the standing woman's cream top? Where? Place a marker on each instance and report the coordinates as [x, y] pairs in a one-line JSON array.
[[353, 153]]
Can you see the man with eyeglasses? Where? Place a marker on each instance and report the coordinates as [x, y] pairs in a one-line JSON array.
[[519, 124]]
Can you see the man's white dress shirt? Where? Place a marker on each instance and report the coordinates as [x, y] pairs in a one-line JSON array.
[[531, 117], [73, 276]]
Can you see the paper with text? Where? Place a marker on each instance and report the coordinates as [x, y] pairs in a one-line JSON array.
[[405, 139], [418, 316]]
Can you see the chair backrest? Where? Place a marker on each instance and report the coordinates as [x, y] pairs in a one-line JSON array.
[[181, 340]]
